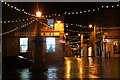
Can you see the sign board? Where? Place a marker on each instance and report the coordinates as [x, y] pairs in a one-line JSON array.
[[43, 33]]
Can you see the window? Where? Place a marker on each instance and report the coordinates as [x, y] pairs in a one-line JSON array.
[[50, 44], [50, 22], [116, 46], [23, 45]]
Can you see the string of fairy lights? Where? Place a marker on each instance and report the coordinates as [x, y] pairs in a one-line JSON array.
[[18, 9], [92, 10], [25, 12], [16, 28], [66, 13], [82, 26], [69, 13], [15, 21]]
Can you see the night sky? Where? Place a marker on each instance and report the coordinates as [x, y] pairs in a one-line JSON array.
[[105, 17]]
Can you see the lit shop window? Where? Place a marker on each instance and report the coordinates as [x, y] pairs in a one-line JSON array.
[[116, 46], [23, 45], [50, 44]]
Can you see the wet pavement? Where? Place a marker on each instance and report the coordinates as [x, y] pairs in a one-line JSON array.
[[69, 68]]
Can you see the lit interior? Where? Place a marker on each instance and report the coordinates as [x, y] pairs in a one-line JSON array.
[[50, 44], [23, 45]]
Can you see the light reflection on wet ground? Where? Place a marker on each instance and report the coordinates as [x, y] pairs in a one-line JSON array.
[[70, 68]]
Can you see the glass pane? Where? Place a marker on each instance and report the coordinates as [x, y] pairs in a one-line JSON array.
[[50, 44]]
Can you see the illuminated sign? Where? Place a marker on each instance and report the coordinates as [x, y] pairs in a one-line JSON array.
[[50, 22], [43, 33], [59, 26]]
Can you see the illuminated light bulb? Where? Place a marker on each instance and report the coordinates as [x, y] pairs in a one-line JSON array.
[[58, 14], [5, 3], [88, 10], [68, 13], [98, 8], [8, 4], [72, 12], [8, 21], [14, 7], [76, 24], [55, 14], [23, 20], [102, 6], [112, 6], [4, 21], [65, 12], [76, 12], [80, 11], [1, 0], [117, 4], [50, 16], [45, 16], [93, 9], [84, 11], [106, 6], [22, 9], [0, 21], [27, 19], [11, 6], [79, 34], [16, 20]]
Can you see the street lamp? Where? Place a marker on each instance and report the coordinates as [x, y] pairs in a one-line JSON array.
[[58, 22], [79, 34], [90, 26], [38, 14]]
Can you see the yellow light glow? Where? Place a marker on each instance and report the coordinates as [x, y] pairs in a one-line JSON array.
[[72, 12], [11, 6], [90, 26], [93, 9], [4, 21], [84, 11], [58, 22], [105, 33], [106, 6], [79, 34], [5, 3], [102, 6], [80, 11], [65, 12], [22, 9], [8, 21], [38, 14], [117, 4], [58, 14], [68, 13], [66, 34], [8, 4], [88, 10], [112, 6], [14, 7], [76, 12], [98, 8]]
